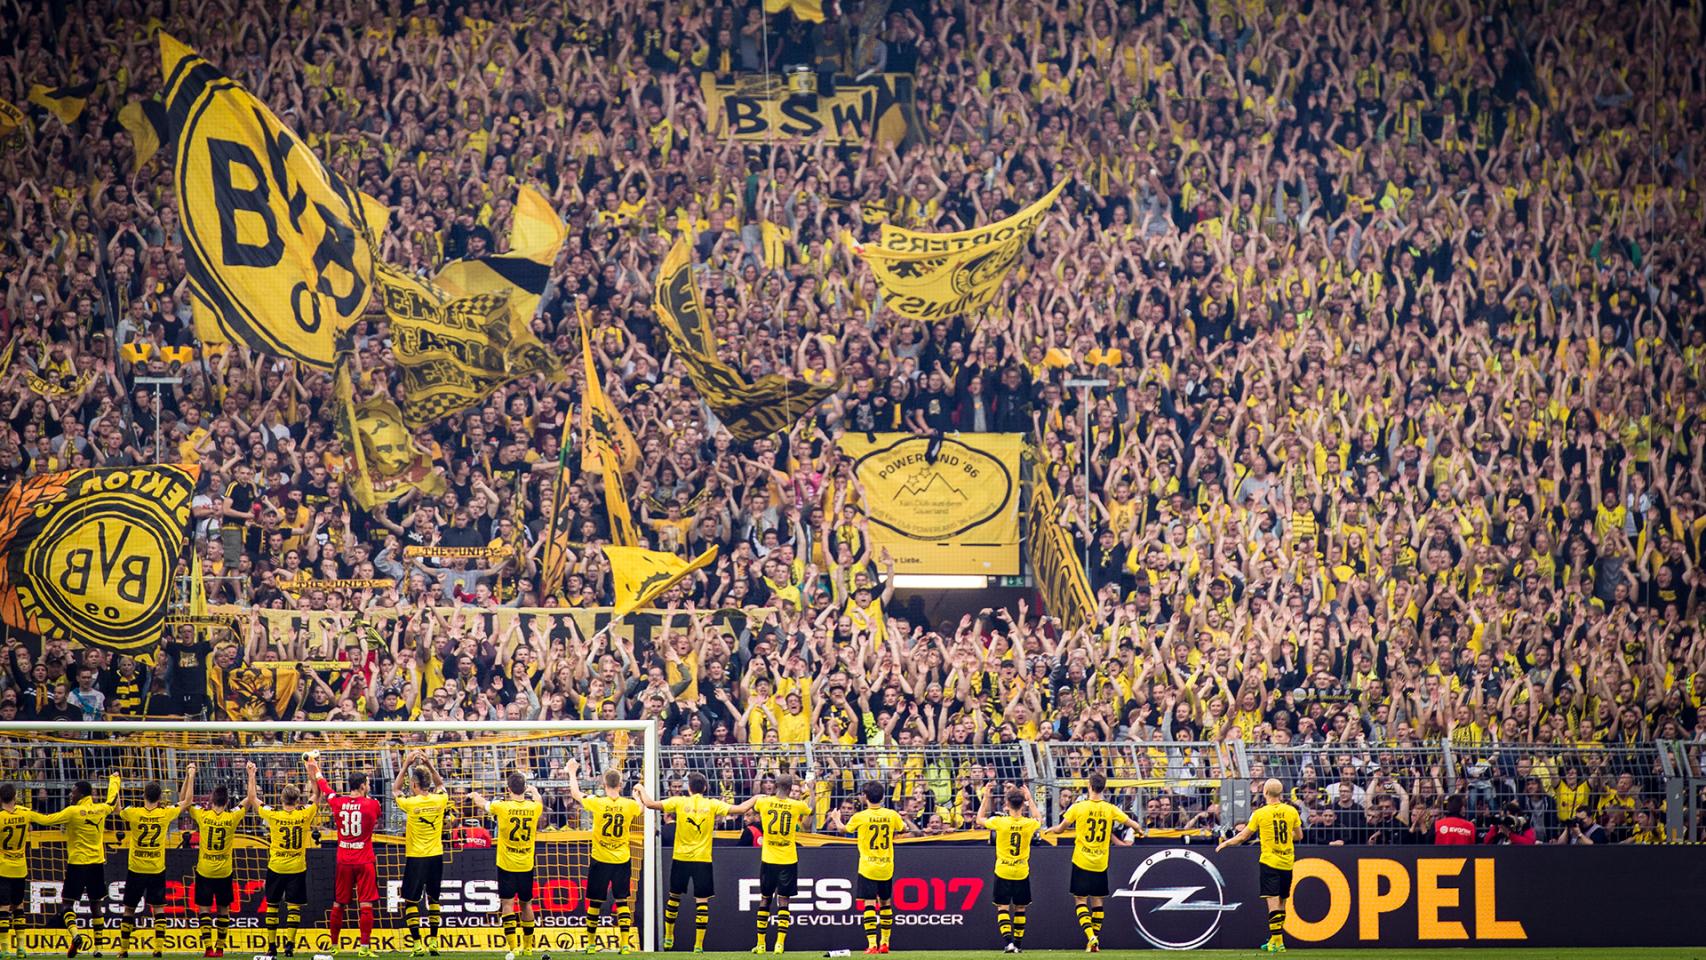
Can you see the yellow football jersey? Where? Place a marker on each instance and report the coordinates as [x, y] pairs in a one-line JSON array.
[[695, 818], [876, 828], [1012, 837], [289, 834], [218, 838], [613, 819], [518, 830], [84, 825], [423, 833], [780, 818], [1277, 825], [15, 840], [145, 836], [1095, 821]]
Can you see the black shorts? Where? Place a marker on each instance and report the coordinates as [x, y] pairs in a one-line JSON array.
[[422, 877], [211, 894], [1015, 892], [14, 890], [1089, 883], [609, 881], [1274, 882], [516, 884], [696, 873], [867, 889], [288, 888], [778, 879], [139, 887], [85, 878]]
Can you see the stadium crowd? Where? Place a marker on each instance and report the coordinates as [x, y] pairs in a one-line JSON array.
[[1402, 310]]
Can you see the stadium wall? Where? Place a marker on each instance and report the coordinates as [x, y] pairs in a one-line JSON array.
[[1163, 896]]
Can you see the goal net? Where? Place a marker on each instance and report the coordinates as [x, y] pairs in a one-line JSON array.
[[44, 761]]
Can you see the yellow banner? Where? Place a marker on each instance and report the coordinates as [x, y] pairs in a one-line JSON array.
[[810, 11], [89, 554], [1055, 562], [454, 352], [388, 463], [536, 235], [956, 515], [66, 103], [145, 121], [275, 242], [756, 107], [935, 276], [456, 553], [59, 388], [749, 409], [605, 436], [641, 576], [13, 123]]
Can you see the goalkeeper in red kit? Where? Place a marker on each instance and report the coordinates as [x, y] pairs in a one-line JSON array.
[[354, 814]]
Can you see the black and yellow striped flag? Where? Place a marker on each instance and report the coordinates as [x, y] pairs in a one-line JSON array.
[[66, 103], [145, 121], [554, 561]]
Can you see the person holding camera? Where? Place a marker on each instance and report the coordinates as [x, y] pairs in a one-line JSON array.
[[1584, 830], [1510, 826]]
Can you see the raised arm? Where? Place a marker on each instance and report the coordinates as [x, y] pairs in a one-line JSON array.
[[251, 799]]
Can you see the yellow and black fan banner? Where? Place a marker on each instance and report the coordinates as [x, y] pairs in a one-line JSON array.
[[749, 409], [605, 436], [275, 243], [90, 554], [13, 123], [641, 576], [453, 352], [536, 235], [1055, 562], [145, 121], [66, 103], [937, 276], [388, 461]]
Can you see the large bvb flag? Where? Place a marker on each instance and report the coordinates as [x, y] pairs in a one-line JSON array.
[[90, 554], [276, 244]]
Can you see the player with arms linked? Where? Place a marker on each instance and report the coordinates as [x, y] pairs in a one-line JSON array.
[[517, 816], [355, 880], [419, 791], [290, 832], [690, 863], [1095, 820], [876, 827], [780, 816], [146, 828], [611, 876], [1278, 826], [1011, 833]]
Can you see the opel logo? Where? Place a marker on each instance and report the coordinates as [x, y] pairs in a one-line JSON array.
[[1180, 908]]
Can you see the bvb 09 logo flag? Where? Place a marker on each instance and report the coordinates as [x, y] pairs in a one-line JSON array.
[[89, 554], [278, 245]]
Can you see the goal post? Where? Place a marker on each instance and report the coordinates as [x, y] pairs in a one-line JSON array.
[[43, 760]]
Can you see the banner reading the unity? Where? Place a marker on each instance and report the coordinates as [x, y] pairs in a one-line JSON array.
[[936, 276], [749, 409], [89, 554], [276, 244]]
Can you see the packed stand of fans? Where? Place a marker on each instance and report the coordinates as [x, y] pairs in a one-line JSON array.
[[1402, 312]]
